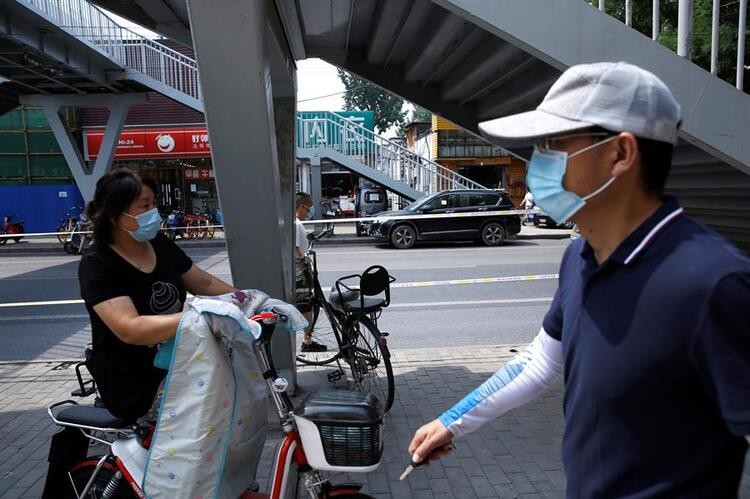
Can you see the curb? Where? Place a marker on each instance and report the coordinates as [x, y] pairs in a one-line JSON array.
[[57, 248], [49, 248]]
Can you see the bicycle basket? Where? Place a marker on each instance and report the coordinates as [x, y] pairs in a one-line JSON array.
[[341, 430]]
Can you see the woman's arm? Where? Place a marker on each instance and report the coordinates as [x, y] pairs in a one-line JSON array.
[[200, 282], [121, 317]]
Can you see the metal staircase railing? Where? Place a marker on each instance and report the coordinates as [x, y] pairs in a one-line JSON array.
[[124, 46], [685, 19], [385, 156]]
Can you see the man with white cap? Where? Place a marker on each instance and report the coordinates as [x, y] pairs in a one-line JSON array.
[[648, 324]]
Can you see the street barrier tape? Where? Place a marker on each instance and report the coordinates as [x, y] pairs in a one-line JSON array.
[[422, 216], [87, 232], [321, 221]]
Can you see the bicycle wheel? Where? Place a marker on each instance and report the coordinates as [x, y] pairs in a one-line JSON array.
[[322, 333], [370, 362], [71, 247], [83, 471], [200, 230]]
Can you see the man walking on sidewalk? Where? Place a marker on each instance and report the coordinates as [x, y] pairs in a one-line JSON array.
[[304, 210], [648, 323]]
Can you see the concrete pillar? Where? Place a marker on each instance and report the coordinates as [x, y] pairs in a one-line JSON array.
[[254, 177], [285, 346], [118, 106]]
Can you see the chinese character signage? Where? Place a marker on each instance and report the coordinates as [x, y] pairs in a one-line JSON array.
[[326, 129], [153, 143], [199, 174]]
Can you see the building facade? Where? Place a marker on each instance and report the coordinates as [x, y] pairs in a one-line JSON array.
[[468, 155]]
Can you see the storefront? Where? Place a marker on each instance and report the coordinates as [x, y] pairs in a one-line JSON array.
[[177, 158]]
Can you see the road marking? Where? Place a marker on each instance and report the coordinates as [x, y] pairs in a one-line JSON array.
[[509, 301], [469, 302], [21, 318], [451, 249], [40, 303], [479, 280], [430, 267], [414, 284]]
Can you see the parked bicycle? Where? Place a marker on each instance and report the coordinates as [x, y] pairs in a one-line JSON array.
[[65, 227], [175, 225], [80, 237], [348, 327], [333, 431], [9, 227]]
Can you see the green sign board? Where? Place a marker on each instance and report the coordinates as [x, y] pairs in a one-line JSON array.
[[341, 130]]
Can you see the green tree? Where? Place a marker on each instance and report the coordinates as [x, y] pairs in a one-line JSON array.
[[361, 95], [701, 42], [420, 114], [417, 114]]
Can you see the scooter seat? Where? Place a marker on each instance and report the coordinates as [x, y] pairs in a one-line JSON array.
[[96, 417]]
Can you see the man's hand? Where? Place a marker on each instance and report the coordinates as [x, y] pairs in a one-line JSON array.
[[430, 441]]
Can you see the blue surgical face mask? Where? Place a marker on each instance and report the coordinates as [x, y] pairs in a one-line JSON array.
[[545, 180], [311, 212], [149, 224]]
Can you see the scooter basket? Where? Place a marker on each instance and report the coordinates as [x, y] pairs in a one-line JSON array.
[[341, 430]]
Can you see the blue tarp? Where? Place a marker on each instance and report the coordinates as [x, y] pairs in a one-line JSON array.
[[40, 206]]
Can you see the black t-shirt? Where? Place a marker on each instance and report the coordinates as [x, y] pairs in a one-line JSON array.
[[125, 374]]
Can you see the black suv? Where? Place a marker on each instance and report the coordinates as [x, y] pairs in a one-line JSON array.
[[490, 229]]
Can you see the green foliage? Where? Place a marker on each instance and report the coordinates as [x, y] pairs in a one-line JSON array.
[[361, 95], [420, 114], [702, 14]]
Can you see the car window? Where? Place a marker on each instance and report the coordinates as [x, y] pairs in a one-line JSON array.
[[480, 199], [373, 197], [442, 202]]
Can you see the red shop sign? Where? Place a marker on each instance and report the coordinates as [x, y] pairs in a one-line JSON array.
[[152, 143], [198, 173]]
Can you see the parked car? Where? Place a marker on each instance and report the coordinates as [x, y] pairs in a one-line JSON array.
[[370, 201], [575, 232], [492, 230], [546, 220]]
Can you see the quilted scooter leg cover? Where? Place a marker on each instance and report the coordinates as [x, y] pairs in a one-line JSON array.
[[210, 429]]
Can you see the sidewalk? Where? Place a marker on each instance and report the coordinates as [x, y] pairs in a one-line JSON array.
[[518, 455], [344, 234]]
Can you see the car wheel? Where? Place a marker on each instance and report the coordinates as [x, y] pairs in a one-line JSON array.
[[493, 234], [403, 236]]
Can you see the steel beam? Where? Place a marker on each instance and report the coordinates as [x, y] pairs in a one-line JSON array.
[[118, 106]]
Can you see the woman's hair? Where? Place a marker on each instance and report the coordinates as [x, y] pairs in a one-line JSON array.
[[115, 191]]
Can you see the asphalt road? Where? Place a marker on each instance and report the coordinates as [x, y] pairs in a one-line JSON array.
[[437, 300]]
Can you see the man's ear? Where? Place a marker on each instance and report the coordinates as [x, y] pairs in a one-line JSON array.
[[625, 153]]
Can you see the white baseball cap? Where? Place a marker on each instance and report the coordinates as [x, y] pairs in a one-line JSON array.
[[614, 95]]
